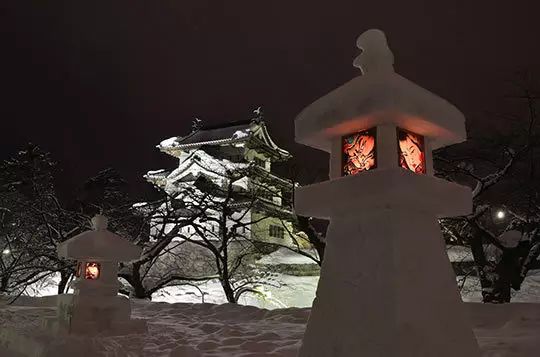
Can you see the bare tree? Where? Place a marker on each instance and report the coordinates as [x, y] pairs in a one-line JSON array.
[[306, 234], [221, 222], [501, 169], [33, 221], [159, 233]]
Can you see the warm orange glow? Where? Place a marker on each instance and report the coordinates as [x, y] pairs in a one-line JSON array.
[[359, 152], [91, 272]]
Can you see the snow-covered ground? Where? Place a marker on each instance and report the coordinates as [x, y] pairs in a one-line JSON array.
[[180, 325], [191, 330], [299, 291], [529, 292]]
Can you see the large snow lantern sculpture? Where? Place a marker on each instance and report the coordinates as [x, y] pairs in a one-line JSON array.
[[387, 287], [95, 306]]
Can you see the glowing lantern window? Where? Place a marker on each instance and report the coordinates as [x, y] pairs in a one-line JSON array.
[[411, 151], [359, 152], [91, 271]]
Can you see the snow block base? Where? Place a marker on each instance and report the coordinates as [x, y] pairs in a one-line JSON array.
[[387, 289], [94, 315]]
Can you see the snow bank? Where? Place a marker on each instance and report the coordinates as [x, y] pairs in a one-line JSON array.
[[287, 256]]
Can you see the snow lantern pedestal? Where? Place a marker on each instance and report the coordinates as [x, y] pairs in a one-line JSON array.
[[386, 287], [95, 306]]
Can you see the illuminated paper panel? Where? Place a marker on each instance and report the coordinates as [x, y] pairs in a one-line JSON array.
[[411, 151], [359, 152]]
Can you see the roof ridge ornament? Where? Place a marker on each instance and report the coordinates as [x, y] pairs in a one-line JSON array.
[[259, 115], [376, 56], [196, 125]]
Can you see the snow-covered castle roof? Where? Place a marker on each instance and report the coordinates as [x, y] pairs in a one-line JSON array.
[[252, 131]]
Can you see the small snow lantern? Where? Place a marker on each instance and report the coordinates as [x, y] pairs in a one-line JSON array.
[[95, 307]]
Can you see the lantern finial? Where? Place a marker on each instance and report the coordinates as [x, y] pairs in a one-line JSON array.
[[376, 56], [99, 222]]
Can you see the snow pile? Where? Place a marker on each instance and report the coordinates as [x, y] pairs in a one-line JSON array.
[[458, 253], [529, 291], [233, 330], [296, 291]]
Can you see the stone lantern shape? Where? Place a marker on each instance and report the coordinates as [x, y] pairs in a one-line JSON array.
[[386, 287], [95, 306]]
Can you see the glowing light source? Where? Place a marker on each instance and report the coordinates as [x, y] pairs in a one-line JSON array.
[[411, 151], [500, 214], [359, 152], [6, 251], [91, 271]]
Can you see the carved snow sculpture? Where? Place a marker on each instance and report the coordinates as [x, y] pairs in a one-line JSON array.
[[386, 286], [95, 306]]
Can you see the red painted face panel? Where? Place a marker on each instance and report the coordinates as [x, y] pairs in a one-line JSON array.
[[359, 152]]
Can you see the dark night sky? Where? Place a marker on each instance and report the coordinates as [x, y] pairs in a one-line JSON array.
[[100, 85]]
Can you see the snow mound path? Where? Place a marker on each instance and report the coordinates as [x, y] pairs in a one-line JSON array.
[[224, 330], [203, 330]]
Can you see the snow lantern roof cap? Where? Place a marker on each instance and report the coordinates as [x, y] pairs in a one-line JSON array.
[[378, 96], [99, 244]]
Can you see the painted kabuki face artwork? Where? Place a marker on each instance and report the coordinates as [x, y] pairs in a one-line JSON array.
[[91, 271], [358, 152], [411, 151]]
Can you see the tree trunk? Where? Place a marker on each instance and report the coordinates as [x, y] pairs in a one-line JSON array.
[[228, 290], [313, 236], [4, 284], [484, 269], [496, 277], [64, 279], [139, 291]]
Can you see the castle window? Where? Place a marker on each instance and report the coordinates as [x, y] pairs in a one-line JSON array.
[[267, 195], [260, 162], [276, 231]]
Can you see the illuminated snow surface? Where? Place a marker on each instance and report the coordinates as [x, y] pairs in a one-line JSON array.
[[190, 330]]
